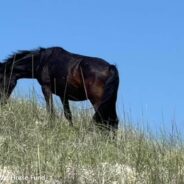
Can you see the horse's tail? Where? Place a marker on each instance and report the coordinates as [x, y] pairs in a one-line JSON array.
[[111, 85], [107, 108]]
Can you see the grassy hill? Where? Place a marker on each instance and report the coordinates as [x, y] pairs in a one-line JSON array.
[[34, 149]]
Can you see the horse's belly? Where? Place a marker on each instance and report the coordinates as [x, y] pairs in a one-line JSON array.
[[70, 92], [76, 94]]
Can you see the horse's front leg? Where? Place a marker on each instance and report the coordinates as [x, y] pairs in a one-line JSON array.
[[49, 100], [67, 111]]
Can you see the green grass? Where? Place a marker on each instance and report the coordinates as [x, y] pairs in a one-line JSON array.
[[43, 151]]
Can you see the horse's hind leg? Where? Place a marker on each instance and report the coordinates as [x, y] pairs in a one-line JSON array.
[[106, 121], [67, 111], [105, 115], [98, 117]]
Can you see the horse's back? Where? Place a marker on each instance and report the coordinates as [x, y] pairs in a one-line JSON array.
[[63, 63]]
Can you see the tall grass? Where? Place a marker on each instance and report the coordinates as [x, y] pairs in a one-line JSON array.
[[36, 149]]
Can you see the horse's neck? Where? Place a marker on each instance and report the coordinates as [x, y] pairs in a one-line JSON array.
[[26, 69]]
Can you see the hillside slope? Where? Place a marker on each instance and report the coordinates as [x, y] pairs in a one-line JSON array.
[[34, 149]]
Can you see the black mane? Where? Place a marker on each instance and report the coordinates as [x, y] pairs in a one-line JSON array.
[[20, 54]]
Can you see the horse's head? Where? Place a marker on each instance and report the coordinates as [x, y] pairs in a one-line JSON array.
[[7, 83]]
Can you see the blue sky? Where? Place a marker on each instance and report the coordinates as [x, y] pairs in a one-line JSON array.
[[145, 39]]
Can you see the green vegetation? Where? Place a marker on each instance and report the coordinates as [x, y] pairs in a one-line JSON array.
[[34, 149]]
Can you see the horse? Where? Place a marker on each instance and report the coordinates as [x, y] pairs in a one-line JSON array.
[[68, 75]]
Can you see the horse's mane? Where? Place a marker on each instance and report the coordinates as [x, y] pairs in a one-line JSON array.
[[20, 54]]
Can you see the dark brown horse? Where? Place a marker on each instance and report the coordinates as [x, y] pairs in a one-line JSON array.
[[70, 76]]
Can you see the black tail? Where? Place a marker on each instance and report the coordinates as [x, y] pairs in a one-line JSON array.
[[111, 85], [107, 109]]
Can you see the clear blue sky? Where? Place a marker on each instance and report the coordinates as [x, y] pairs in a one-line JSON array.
[[144, 38]]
